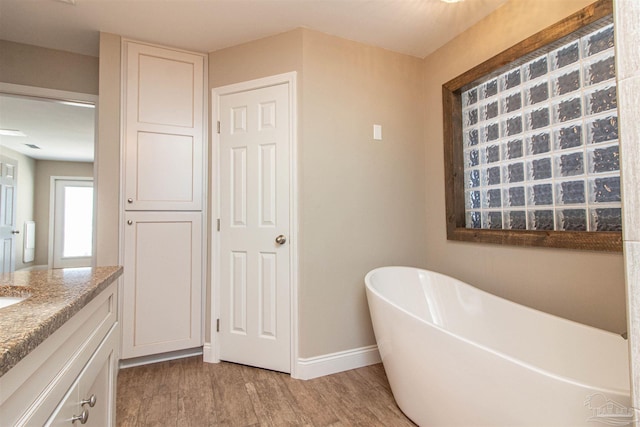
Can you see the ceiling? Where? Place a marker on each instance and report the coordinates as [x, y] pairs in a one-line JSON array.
[[63, 132], [413, 27]]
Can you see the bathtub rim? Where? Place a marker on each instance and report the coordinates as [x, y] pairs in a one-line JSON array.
[[506, 357]]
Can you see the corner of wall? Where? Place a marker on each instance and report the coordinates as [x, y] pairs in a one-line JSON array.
[[107, 172]]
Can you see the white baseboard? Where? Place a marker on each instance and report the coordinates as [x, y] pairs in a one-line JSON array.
[[306, 369], [162, 357], [333, 363], [208, 353]]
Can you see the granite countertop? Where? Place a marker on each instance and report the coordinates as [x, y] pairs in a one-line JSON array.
[[54, 296]]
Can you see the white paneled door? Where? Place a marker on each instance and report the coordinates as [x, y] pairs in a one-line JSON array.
[[8, 182], [254, 162]]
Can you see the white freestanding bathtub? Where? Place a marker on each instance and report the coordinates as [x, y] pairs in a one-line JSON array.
[[458, 356]]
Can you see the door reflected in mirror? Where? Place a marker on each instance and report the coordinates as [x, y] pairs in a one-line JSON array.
[[72, 222], [46, 178]]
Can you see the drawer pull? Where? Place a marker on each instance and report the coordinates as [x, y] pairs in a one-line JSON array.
[[90, 401], [83, 417]]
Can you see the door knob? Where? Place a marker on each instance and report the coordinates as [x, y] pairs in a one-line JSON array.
[[281, 240], [15, 232]]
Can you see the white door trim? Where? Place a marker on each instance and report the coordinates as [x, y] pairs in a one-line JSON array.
[[212, 351]]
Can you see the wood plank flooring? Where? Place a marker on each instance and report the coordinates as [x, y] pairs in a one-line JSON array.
[[188, 392]]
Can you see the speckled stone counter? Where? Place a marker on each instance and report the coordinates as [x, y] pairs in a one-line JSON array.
[[54, 296]]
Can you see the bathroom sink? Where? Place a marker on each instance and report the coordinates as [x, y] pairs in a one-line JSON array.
[[7, 301]]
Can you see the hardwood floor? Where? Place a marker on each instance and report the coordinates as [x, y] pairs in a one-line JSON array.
[[188, 392]]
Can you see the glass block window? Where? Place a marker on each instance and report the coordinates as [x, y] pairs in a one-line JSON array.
[[540, 141]]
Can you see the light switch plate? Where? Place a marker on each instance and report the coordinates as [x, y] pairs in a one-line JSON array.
[[377, 132]]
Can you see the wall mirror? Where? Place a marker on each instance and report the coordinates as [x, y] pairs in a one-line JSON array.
[[47, 141]]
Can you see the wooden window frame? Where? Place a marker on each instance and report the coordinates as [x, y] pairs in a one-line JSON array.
[[545, 40]]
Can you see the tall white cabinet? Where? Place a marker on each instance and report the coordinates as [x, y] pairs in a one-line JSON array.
[[163, 191]]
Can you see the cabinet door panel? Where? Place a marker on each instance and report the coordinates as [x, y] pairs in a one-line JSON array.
[[67, 410], [163, 142], [163, 168], [162, 286], [99, 380], [165, 81]]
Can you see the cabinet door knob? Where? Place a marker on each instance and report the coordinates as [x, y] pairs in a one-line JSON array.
[[90, 401], [83, 417], [129, 200], [129, 222]]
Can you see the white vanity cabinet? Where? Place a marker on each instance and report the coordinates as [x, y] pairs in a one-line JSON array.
[[79, 360]]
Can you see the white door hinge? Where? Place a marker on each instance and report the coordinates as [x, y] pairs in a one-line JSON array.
[[218, 126], [217, 325], [218, 226]]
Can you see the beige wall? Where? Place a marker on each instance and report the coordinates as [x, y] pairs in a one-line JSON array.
[[28, 65], [45, 169], [24, 208], [361, 202], [584, 286], [261, 58]]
